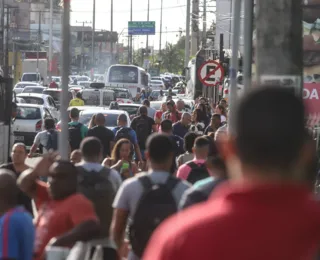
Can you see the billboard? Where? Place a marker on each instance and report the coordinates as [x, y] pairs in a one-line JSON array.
[[142, 28]]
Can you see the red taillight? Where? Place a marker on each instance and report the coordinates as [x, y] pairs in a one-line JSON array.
[[58, 127], [39, 126], [226, 91]]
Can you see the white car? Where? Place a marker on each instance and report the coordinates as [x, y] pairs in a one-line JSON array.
[[57, 80], [44, 100], [85, 84], [33, 89], [22, 84], [157, 84], [29, 121], [97, 97]]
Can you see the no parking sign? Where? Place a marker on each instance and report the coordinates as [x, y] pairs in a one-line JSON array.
[[211, 73]]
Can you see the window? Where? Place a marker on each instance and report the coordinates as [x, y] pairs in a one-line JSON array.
[[47, 113], [28, 113], [123, 74], [111, 119], [33, 100]]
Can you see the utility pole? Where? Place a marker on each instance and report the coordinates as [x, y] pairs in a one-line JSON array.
[[147, 43], [195, 27], [82, 45], [50, 40], [221, 47], [39, 41], [187, 42], [204, 25], [247, 57], [64, 136], [131, 52], [111, 22], [281, 58], [93, 40], [160, 43], [2, 34], [6, 53]]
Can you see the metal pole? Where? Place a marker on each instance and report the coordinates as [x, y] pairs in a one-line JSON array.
[[39, 40], [82, 48], [93, 40], [6, 53], [2, 34], [160, 52], [64, 136], [247, 59], [50, 40], [195, 27], [221, 47], [147, 43], [111, 22], [128, 49], [187, 43], [131, 52], [204, 25], [234, 62]]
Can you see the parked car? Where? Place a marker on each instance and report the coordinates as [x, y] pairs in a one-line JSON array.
[[155, 94], [29, 121], [56, 93], [22, 84], [85, 84], [44, 100], [131, 109], [97, 97], [33, 89], [157, 84], [122, 95]]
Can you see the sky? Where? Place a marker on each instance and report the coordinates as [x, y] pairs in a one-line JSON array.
[[173, 19]]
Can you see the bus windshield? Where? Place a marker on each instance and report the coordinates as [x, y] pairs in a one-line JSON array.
[[123, 74]]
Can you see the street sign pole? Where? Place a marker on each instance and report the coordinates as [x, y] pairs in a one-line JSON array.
[[64, 136]]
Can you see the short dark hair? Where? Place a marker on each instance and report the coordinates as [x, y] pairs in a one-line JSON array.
[[160, 147], [269, 128], [122, 118], [201, 142], [100, 118], [91, 148], [146, 102], [189, 141], [216, 116], [143, 110], [74, 112], [49, 123], [78, 95], [170, 102], [166, 125]]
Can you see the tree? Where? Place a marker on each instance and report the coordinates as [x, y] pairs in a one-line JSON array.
[[173, 57]]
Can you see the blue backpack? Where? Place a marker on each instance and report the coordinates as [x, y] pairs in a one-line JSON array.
[[52, 143]]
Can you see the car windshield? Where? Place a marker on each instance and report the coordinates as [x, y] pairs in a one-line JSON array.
[[111, 119], [21, 85], [32, 90], [92, 98], [132, 110], [123, 74], [121, 94], [33, 100], [30, 77], [156, 82], [28, 113]]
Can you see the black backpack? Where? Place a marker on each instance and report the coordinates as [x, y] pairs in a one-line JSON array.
[[97, 187], [155, 205], [52, 143], [198, 172], [143, 131], [75, 136], [123, 132]]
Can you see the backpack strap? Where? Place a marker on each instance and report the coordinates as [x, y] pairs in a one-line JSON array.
[[171, 183], [193, 165], [146, 182]]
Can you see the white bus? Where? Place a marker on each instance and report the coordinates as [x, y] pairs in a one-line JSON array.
[[129, 77]]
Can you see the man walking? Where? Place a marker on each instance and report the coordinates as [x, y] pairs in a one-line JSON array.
[[77, 131], [151, 111], [181, 128]]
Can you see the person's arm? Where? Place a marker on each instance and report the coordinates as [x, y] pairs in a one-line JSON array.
[[118, 226], [35, 145], [157, 119], [112, 143], [154, 126], [85, 222], [84, 131]]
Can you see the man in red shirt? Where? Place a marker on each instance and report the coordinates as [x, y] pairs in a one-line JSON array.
[[267, 211], [64, 216], [172, 114]]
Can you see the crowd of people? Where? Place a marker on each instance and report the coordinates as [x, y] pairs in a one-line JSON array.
[[173, 185]]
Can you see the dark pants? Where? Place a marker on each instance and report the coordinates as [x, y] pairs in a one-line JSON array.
[[108, 253]]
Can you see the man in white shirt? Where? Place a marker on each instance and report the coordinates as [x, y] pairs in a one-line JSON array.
[[151, 111]]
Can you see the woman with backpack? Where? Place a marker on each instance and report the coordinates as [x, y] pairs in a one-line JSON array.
[[121, 159]]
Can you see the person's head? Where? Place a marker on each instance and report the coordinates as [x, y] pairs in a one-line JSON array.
[[78, 95], [19, 154], [202, 100], [159, 151], [166, 126], [164, 107], [202, 107], [180, 105], [91, 149], [92, 122], [100, 119], [76, 157], [189, 140], [169, 98], [114, 105], [49, 124], [74, 114], [62, 180], [170, 106], [220, 109], [198, 116], [223, 102], [14, 110], [122, 120], [9, 190], [217, 167], [122, 150], [143, 111], [186, 119], [201, 148], [269, 140], [146, 103], [216, 121]]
